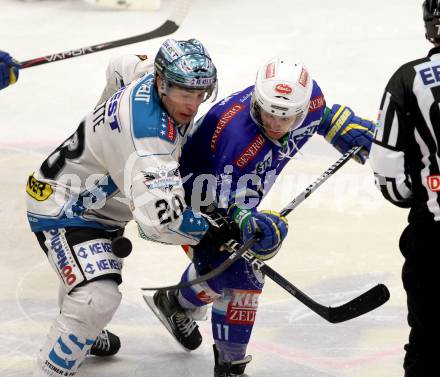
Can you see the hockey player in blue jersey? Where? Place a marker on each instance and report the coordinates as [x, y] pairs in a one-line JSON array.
[[249, 136]]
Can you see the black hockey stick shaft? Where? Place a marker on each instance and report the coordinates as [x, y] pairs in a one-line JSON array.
[[168, 27], [210, 275], [366, 302], [285, 211]]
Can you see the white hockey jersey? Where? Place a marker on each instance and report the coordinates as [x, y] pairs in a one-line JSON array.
[[120, 164]]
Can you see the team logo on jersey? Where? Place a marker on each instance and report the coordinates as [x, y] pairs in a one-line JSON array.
[[162, 178], [142, 57], [283, 88], [38, 190], [433, 182], [242, 308]]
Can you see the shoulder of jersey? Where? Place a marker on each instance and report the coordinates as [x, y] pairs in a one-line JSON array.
[[230, 116], [242, 96], [317, 100], [148, 118]]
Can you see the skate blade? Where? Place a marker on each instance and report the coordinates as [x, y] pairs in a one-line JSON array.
[[150, 302]]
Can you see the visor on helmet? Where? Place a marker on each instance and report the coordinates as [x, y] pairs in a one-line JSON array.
[[188, 65], [183, 95]]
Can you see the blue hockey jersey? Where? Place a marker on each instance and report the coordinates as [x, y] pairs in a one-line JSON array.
[[228, 158]]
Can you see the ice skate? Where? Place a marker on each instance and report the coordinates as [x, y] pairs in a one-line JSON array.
[[230, 369], [106, 344], [183, 328]]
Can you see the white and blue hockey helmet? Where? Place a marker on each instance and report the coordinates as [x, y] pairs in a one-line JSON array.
[[282, 89], [186, 64]]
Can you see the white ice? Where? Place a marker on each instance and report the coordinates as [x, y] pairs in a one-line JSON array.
[[342, 241]]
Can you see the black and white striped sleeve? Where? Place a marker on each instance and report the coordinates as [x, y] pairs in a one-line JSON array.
[[387, 157]]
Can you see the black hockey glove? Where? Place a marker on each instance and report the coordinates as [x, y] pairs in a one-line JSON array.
[[223, 232]]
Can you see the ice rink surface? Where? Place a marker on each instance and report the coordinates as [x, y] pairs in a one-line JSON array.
[[342, 240]]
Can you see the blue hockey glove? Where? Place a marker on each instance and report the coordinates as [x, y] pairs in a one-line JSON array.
[[9, 70], [344, 130], [269, 227]]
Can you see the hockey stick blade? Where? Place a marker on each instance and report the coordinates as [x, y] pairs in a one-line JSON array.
[[362, 304], [171, 25], [366, 302]]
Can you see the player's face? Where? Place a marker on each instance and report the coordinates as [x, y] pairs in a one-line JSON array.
[[182, 104], [276, 127]]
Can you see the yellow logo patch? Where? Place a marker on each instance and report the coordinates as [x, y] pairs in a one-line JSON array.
[[38, 190]]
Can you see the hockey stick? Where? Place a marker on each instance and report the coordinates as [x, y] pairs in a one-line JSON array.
[[289, 208], [173, 23], [364, 303]]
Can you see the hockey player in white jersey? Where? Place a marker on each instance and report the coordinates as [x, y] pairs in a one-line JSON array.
[[120, 164]]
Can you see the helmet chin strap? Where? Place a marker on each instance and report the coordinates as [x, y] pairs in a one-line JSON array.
[[256, 117]]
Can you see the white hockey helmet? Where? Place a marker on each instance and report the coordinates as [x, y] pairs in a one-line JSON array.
[[283, 89]]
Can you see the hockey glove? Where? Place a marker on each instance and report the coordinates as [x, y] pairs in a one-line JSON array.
[[9, 70], [344, 130], [269, 227], [222, 230]]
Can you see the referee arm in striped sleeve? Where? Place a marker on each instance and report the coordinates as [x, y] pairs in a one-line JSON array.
[[387, 155]]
